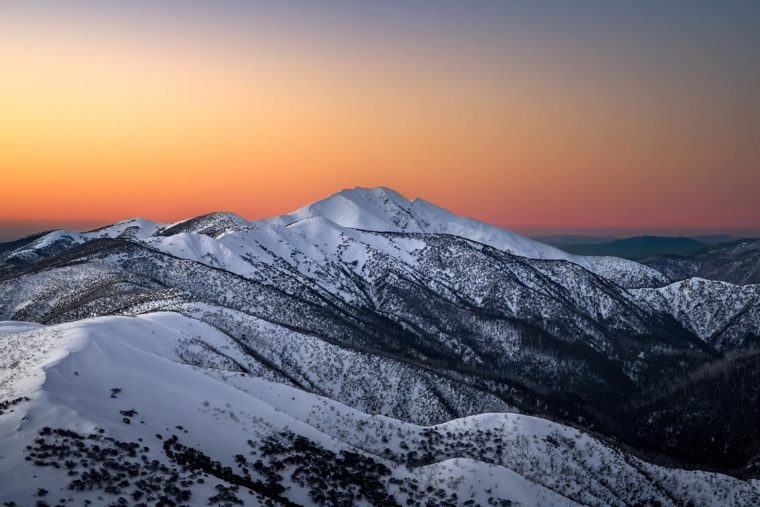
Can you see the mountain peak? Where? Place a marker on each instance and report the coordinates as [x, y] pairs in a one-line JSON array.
[[382, 209], [373, 192], [373, 208]]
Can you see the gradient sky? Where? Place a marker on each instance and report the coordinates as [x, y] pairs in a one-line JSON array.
[[572, 116]]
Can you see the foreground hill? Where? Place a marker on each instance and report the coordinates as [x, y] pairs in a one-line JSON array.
[[119, 410]]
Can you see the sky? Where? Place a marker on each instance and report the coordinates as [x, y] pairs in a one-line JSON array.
[[541, 116]]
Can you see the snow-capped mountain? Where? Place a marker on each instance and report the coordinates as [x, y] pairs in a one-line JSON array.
[[382, 209], [411, 346]]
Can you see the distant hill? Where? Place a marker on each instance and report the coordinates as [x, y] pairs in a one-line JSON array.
[[736, 262], [11, 245], [639, 246], [562, 240]]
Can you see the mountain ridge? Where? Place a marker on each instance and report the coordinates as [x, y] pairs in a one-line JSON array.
[[411, 326], [384, 210]]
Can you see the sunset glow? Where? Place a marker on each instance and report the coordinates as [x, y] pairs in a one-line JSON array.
[[621, 120]]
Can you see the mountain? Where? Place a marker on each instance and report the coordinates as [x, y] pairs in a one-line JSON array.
[[365, 348], [384, 210], [736, 262], [561, 240], [640, 246], [33, 248], [572, 240]]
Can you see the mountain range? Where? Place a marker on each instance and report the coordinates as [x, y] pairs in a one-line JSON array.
[[639, 246], [736, 262], [369, 349]]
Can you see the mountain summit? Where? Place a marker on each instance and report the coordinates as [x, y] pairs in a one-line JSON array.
[[385, 210]]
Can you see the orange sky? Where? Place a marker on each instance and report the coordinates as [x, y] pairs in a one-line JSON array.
[[104, 116]]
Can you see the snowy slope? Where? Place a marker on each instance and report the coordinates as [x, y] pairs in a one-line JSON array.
[[382, 209], [45, 246], [721, 313], [349, 263], [133, 228], [55, 242], [109, 408], [212, 224]]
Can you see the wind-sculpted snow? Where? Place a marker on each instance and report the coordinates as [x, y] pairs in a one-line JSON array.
[[111, 408], [16, 326]]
